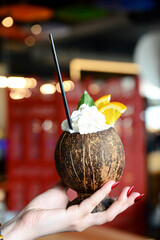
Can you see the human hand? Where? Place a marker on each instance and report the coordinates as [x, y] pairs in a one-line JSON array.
[[47, 214]]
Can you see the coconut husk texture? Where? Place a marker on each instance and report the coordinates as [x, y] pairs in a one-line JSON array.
[[86, 161]]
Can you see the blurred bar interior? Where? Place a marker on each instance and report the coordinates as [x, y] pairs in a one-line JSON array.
[[104, 47]]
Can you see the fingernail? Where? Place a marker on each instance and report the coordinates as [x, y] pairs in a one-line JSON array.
[[130, 190], [139, 197], [115, 185]]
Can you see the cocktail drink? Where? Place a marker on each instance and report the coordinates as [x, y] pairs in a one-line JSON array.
[[89, 155]]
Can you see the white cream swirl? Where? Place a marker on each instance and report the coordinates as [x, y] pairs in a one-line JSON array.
[[86, 120]]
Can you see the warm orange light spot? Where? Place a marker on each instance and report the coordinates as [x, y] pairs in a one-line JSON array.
[[16, 82], [7, 22], [68, 86], [47, 88], [31, 83], [16, 93], [30, 41], [94, 88], [36, 29]]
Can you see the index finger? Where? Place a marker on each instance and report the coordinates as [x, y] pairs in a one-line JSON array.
[[121, 204], [91, 202]]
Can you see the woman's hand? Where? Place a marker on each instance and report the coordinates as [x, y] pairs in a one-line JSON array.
[[47, 213]]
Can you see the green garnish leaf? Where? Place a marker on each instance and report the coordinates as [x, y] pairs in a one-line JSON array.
[[86, 98]]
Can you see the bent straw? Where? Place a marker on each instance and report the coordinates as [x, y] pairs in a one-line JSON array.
[[60, 81]]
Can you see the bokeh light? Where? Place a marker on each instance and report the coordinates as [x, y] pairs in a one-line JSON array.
[[20, 93], [30, 41], [16, 82], [48, 88], [36, 29], [68, 86], [7, 22]]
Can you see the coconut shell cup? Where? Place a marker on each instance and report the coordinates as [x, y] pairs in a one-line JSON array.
[[86, 161]]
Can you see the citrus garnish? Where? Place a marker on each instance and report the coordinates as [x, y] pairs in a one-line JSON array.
[[103, 101], [112, 111]]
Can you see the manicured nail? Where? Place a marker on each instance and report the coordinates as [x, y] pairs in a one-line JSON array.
[[139, 197], [115, 185], [130, 190]]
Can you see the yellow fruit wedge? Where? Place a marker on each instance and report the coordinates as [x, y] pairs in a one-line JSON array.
[[103, 101], [112, 111]]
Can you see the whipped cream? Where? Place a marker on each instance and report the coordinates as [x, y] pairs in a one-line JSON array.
[[86, 120]]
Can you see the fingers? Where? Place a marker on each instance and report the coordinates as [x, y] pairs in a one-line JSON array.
[[83, 212], [90, 203], [123, 202]]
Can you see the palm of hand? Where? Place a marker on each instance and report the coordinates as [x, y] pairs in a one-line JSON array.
[[47, 212]]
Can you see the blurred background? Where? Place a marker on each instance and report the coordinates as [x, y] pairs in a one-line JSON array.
[[104, 47]]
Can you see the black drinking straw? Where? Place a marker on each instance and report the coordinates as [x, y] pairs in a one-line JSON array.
[[60, 80]]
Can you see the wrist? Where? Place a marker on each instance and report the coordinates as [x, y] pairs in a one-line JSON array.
[[8, 230], [11, 231]]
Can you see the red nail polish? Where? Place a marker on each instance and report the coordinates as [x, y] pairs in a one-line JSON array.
[[139, 197], [130, 190], [114, 185]]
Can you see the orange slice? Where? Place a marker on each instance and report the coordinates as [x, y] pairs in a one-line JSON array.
[[112, 111], [103, 101]]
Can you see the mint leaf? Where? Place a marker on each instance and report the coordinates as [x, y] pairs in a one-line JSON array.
[[86, 98]]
